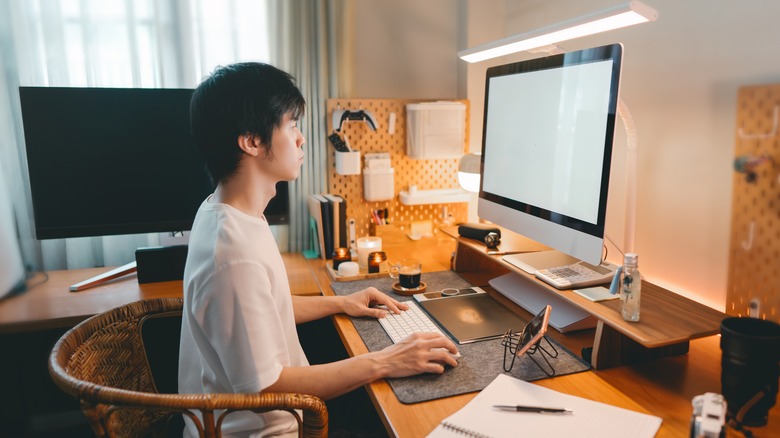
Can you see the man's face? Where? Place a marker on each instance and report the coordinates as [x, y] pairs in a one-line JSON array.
[[286, 156]]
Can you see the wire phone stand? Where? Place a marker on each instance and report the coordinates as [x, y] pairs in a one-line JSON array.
[[513, 342]]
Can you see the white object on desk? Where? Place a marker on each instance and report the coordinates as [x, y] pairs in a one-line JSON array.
[[400, 326], [349, 269], [365, 246], [588, 419], [596, 294]]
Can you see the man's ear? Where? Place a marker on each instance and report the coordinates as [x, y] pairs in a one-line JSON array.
[[250, 144]]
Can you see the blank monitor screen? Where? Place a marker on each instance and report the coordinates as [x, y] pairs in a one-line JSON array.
[[547, 148], [106, 161]]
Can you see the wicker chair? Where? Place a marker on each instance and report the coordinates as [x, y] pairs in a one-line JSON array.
[[103, 363]]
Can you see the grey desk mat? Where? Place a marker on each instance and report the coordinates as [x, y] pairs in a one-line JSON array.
[[479, 364]]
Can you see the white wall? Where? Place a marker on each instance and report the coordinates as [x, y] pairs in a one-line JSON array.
[[680, 80], [403, 49]]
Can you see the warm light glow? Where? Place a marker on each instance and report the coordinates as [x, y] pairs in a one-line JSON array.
[[469, 181], [601, 21], [468, 172]]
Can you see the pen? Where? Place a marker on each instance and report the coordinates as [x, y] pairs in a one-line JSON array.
[[537, 409]]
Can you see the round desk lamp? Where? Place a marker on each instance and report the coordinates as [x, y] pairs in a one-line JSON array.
[[469, 171]]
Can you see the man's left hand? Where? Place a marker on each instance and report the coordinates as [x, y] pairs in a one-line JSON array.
[[365, 302]]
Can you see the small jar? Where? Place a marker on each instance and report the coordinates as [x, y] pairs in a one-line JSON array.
[[340, 255], [375, 260]]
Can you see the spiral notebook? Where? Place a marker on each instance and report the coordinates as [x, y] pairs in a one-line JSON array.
[[479, 419]]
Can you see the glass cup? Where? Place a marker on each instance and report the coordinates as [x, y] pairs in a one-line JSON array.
[[365, 246], [408, 273]]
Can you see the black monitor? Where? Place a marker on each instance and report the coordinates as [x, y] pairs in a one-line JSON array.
[[547, 147], [105, 161]]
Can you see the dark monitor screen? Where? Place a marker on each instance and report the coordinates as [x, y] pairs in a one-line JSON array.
[[106, 161]]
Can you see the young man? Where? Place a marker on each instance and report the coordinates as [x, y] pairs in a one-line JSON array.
[[238, 328]]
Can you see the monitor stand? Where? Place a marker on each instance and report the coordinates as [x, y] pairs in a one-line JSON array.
[[531, 295]]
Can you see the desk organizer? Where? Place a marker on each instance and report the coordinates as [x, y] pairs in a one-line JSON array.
[[755, 215], [362, 275], [425, 174]]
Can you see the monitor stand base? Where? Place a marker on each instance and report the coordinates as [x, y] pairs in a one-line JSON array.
[[532, 296], [104, 277]]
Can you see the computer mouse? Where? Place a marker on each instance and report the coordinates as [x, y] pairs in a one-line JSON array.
[[455, 356]]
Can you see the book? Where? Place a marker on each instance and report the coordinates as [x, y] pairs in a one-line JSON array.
[[327, 226], [339, 208], [588, 418], [315, 211]]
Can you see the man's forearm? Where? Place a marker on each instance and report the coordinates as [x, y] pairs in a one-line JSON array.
[[310, 308]]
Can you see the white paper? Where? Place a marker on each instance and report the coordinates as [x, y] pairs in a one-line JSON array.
[[589, 419]]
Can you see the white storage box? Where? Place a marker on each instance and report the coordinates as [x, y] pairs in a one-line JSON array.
[[435, 130], [378, 183], [348, 163]]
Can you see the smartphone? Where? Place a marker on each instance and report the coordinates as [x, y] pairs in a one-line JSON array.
[[533, 331]]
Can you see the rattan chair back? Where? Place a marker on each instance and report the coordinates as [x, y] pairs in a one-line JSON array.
[[103, 363]]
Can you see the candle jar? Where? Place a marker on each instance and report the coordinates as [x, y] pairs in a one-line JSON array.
[[375, 260], [365, 246], [340, 255]]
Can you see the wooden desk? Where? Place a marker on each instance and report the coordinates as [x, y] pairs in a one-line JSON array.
[[669, 321], [662, 387], [49, 304]]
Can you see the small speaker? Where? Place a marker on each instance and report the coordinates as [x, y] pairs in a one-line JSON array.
[[160, 263], [477, 231]]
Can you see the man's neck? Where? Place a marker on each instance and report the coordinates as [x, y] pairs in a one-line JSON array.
[[249, 195]]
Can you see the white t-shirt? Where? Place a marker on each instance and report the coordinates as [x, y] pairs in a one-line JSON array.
[[238, 328]]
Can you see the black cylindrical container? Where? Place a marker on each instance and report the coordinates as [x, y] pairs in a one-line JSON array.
[[750, 364]]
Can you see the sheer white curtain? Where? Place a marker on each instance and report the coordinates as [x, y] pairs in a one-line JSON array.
[[110, 43]]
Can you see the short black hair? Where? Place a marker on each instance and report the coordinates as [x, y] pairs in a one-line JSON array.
[[248, 98]]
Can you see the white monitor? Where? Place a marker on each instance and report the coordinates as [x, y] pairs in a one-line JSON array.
[[547, 147]]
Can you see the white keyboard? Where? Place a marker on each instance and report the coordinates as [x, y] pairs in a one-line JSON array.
[[400, 325]]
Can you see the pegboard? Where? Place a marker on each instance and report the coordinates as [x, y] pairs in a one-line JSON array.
[[754, 254], [425, 174]]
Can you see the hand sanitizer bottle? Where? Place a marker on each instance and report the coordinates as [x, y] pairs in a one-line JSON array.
[[630, 288]]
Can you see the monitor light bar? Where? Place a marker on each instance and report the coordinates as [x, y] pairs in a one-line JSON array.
[[614, 17]]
